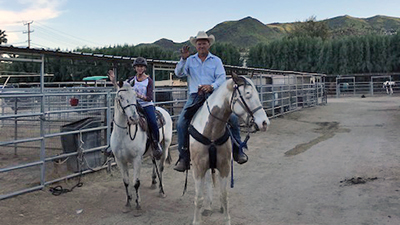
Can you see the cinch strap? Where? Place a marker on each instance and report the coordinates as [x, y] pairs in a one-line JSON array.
[[212, 151]]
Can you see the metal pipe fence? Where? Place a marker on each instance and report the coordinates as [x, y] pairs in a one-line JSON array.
[[68, 137], [358, 89], [52, 132]]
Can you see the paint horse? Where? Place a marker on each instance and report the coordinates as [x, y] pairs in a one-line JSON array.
[[388, 86], [239, 96], [128, 142]]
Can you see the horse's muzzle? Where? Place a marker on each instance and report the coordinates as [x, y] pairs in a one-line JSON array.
[[264, 126]]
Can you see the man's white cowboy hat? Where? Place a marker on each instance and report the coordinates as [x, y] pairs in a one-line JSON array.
[[202, 35]]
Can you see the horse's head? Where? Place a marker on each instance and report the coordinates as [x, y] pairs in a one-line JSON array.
[[246, 104], [126, 101]]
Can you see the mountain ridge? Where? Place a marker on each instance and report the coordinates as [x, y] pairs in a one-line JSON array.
[[248, 31]]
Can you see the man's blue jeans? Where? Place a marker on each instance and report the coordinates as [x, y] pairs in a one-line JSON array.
[[183, 125]]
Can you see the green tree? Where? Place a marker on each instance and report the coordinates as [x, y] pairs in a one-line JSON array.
[[228, 53], [310, 28]]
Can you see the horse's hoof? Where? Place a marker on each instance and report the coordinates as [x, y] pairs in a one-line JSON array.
[[137, 213], [126, 209], [221, 210], [153, 186], [206, 212], [162, 195]]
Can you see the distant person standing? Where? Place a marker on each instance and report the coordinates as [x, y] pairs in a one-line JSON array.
[[204, 72]]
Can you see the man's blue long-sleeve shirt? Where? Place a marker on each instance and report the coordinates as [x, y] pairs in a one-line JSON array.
[[209, 72]]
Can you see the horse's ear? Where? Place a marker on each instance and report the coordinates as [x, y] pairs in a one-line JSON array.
[[132, 83], [252, 74], [237, 79], [120, 83]]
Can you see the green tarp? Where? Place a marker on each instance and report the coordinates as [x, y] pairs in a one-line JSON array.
[[94, 78]]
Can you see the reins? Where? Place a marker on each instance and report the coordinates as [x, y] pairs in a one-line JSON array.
[[249, 120], [128, 125], [243, 104], [249, 123]]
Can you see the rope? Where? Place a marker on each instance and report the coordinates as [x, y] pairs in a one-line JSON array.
[[159, 177], [58, 190], [232, 180], [59, 162], [130, 133], [186, 181]]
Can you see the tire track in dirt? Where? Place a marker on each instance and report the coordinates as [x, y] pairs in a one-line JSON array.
[[327, 129]]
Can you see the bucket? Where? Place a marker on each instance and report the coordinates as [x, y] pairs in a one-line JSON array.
[[74, 101]]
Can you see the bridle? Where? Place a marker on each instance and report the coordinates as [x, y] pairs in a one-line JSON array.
[[250, 113], [127, 106], [123, 110], [243, 104], [240, 100], [249, 121]]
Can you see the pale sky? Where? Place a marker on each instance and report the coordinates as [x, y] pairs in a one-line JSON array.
[[69, 24]]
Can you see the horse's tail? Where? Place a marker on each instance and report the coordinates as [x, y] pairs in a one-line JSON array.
[[213, 176]]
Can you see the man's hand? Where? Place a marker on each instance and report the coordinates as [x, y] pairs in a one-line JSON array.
[[141, 96], [206, 88], [185, 52]]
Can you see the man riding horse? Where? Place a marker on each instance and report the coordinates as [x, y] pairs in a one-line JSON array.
[[205, 73]]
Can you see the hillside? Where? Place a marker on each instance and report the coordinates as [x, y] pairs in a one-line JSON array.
[[249, 31], [243, 33]]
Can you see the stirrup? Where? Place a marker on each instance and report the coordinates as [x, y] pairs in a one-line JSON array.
[[182, 165], [241, 158], [238, 154]]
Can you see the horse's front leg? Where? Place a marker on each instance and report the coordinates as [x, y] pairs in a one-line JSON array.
[[224, 198], [125, 177], [198, 199], [137, 163], [208, 193]]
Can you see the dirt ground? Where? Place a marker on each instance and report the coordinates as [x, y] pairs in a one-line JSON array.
[[333, 164]]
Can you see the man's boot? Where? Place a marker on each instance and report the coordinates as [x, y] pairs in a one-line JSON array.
[[183, 163], [157, 150], [238, 155]]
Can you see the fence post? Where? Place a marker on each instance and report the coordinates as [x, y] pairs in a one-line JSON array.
[[273, 100], [108, 116], [261, 91], [282, 105], [42, 127], [371, 88], [316, 93], [290, 95]]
